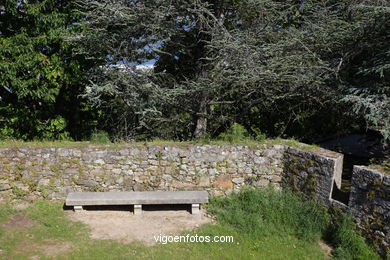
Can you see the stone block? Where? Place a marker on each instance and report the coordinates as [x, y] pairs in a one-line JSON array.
[[238, 180], [137, 210], [195, 209], [116, 171], [204, 181], [43, 182], [78, 208], [99, 161], [4, 186], [87, 183], [223, 182], [71, 171], [261, 183]]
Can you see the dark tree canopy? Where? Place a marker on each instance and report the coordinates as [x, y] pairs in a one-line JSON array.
[[292, 68], [40, 77]]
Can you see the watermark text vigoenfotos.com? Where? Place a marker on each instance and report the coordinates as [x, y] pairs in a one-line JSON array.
[[164, 239]]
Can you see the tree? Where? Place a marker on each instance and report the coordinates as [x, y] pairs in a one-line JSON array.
[[40, 77], [280, 67], [366, 72], [138, 102]]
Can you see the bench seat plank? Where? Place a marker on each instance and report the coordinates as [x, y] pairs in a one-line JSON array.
[[135, 197]]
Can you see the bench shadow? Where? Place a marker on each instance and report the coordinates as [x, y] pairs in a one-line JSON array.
[[147, 207]]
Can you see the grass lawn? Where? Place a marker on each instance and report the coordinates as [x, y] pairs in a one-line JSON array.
[[46, 233]]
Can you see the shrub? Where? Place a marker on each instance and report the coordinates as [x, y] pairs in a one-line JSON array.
[[234, 134], [100, 137]]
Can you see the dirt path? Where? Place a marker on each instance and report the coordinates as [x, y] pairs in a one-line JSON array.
[[126, 227]]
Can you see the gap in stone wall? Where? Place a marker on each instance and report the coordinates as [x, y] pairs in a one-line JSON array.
[[342, 194]]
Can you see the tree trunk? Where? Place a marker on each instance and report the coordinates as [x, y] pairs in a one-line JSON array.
[[201, 121]]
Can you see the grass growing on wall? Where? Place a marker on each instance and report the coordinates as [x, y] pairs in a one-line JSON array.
[[265, 224], [103, 142]]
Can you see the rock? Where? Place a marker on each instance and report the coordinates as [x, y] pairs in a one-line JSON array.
[[62, 192], [120, 180], [238, 180], [99, 161], [276, 178], [97, 172], [71, 171], [279, 147], [167, 177], [204, 181], [87, 183], [63, 152], [43, 182], [138, 187], [181, 185], [223, 182], [124, 152], [76, 153], [212, 171], [261, 183], [153, 162], [261, 160], [248, 170], [116, 171], [379, 233], [4, 186], [129, 172], [386, 180]]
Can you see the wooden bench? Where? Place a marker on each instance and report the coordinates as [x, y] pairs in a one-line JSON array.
[[80, 199]]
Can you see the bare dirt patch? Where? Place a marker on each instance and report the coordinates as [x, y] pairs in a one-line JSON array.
[[55, 249], [326, 248], [18, 222], [126, 227]]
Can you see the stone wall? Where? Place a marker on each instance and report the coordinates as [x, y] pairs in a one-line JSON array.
[[54, 172], [370, 204], [312, 172]]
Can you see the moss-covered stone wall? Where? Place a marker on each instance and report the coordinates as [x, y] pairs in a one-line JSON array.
[[54, 172], [312, 172], [370, 203]]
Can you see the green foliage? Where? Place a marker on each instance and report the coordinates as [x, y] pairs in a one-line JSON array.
[[301, 69], [237, 134], [100, 137], [381, 164], [349, 243], [19, 192], [279, 67], [234, 134], [262, 212], [40, 77]]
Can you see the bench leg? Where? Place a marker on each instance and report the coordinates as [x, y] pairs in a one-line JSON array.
[[137, 209], [78, 208], [195, 209]]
